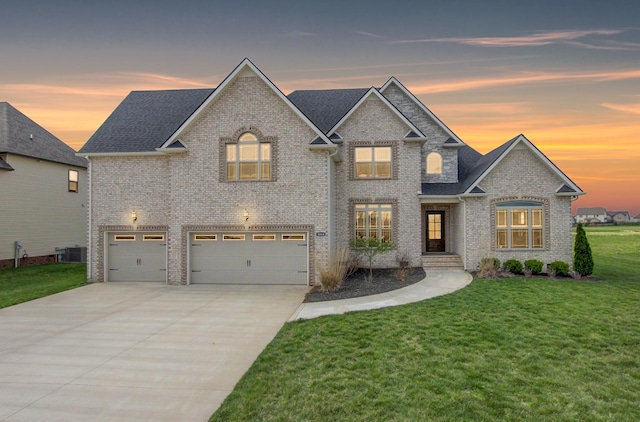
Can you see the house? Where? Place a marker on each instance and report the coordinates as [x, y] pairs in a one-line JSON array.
[[593, 215], [619, 217], [43, 192], [244, 184], [636, 219]]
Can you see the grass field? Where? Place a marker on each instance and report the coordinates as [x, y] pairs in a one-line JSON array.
[[513, 349], [19, 285]]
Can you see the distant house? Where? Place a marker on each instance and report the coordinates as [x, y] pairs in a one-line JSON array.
[[595, 215], [619, 216], [636, 219], [43, 192]]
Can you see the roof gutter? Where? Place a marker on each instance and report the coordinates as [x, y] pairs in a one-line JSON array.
[[118, 154]]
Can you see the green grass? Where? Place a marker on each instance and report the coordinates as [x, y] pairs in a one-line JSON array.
[[514, 349], [19, 285]]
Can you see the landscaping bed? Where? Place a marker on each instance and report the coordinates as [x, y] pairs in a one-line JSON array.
[[356, 285]]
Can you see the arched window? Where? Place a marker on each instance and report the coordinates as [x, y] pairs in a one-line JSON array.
[[434, 163], [248, 159]]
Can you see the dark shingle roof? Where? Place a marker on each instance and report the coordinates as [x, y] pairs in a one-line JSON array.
[[326, 107], [22, 136], [145, 120], [591, 211]]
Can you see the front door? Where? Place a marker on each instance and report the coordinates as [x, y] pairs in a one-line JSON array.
[[435, 231]]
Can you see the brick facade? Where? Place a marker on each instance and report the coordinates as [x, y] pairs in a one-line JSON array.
[[310, 191]]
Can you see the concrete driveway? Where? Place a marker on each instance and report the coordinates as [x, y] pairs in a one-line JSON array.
[[134, 351]]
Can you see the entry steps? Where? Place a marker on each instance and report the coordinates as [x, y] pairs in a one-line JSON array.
[[442, 262]]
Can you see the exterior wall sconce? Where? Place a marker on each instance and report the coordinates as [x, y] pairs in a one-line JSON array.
[[134, 216], [245, 216]]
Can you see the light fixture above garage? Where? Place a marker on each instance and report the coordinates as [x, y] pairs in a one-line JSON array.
[[134, 216], [245, 215]]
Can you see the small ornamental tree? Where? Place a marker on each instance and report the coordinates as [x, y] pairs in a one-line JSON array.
[[369, 248], [582, 259]]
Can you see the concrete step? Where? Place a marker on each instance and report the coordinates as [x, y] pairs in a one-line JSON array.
[[442, 262]]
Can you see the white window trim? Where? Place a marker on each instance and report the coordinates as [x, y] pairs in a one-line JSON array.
[[124, 237], [264, 237], [233, 237], [381, 207], [153, 237], [206, 237], [529, 206], [293, 237], [372, 162]]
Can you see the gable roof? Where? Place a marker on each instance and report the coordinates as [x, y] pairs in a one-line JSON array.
[[473, 167], [144, 120], [614, 213], [374, 92], [20, 135], [591, 211], [493, 158], [453, 137], [324, 141]]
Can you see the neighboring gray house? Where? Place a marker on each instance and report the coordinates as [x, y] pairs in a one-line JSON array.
[[593, 215], [619, 216], [43, 192], [243, 184]]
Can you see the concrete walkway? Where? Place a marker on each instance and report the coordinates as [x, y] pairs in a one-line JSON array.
[[134, 351], [436, 283]]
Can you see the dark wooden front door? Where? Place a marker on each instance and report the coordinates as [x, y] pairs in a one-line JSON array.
[[435, 231]]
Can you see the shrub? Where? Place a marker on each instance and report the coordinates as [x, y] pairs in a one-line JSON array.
[[512, 266], [402, 271], [534, 266], [339, 268], [369, 248], [582, 259], [489, 267], [558, 268]]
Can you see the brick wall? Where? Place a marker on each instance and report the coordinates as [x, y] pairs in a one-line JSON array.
[[521, 175], [373, 122], [186, 189]]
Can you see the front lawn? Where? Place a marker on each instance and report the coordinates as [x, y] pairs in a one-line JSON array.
[[511, 349], [19, 285]]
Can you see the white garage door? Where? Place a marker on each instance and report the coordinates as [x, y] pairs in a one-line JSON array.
[[137, 257], [249, 258]]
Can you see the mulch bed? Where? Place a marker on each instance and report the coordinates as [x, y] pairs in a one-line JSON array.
[[384, 280]]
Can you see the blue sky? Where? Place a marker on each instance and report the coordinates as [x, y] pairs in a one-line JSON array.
[[564, 73]]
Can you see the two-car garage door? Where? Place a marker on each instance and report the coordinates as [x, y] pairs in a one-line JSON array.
[[214, 257], [249, 258]]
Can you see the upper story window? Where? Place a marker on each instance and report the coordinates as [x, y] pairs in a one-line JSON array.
[[434, 163], [373, 162], [73, 181], [248, 159], [519, 225]]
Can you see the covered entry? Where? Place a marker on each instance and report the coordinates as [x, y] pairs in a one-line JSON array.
[[249, 258], [136, 256]]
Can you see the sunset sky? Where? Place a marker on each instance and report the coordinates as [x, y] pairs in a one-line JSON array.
[[564, 73]]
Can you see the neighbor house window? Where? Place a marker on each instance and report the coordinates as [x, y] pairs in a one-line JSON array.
[[519, 225], [373, 162], [73, 181], [373, 221], [248, 159], [434, 163]]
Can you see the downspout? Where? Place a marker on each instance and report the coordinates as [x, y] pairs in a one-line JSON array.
[[90, 221], [329, 202], [464, 232]]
